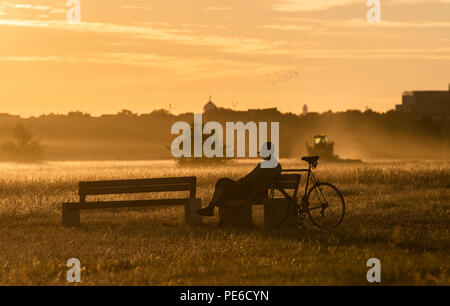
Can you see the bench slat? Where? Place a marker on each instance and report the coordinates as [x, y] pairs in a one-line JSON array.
[[288, 177], [286, 185], [124, 204], [133, 189], [139, 182]]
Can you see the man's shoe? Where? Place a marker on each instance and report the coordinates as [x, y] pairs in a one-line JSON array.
[[206, 212]]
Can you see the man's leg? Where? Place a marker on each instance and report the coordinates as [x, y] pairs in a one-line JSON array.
[[218, 197]]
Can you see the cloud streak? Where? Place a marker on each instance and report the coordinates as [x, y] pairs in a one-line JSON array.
[[309, 5], [316, 5], [240, 45], [19, 7], [320, 25], [186, 68]]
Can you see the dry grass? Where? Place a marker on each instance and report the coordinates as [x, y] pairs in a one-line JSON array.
[[397, 212]]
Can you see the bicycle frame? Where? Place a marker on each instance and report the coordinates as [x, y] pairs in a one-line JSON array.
[[310, 177], [304, 206]]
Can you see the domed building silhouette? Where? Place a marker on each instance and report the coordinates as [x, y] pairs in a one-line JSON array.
[[209, 106]]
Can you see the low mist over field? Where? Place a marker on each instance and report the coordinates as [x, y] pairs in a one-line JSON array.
[[128, 136]]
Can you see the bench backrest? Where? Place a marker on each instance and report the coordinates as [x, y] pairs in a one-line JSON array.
[[188, 183], [288, 182]]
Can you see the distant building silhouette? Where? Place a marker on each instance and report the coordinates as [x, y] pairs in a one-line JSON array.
[[209, 106], [428, 103], [305, 109], [257, 111]]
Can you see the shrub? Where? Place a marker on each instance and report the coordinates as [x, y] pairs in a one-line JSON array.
[[24, 147]]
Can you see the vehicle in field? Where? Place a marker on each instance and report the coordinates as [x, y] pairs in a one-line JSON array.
[[325, 149], [322, 147]]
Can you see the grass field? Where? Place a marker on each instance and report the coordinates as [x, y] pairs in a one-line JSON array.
[[397, 211]]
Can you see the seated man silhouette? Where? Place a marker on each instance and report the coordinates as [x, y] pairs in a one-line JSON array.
[[259, 179]]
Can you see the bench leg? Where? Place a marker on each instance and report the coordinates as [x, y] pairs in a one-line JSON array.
[[190, 212], [70, 217], [275, 210]]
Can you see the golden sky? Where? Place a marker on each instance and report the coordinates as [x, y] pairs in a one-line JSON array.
[[146, 54]]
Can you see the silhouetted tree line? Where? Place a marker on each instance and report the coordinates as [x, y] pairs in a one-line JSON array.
[[127, 135]]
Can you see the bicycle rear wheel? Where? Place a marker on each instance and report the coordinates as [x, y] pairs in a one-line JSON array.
[[325, 205], [289, 206]]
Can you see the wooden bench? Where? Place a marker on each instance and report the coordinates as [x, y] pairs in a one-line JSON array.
[[239, 213], [71, 211]]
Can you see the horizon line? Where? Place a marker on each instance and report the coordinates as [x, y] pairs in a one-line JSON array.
[[82, 113]]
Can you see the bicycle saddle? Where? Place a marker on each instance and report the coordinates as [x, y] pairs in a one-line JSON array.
[[310, 159]]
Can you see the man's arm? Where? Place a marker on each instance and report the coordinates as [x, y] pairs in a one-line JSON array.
[[261, 176]]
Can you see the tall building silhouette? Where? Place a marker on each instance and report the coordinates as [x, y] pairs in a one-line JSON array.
[[431, 103]]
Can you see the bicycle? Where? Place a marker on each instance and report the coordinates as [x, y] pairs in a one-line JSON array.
[[323, 202]]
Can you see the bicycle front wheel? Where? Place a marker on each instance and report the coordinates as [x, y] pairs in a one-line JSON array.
[[325, 205]]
